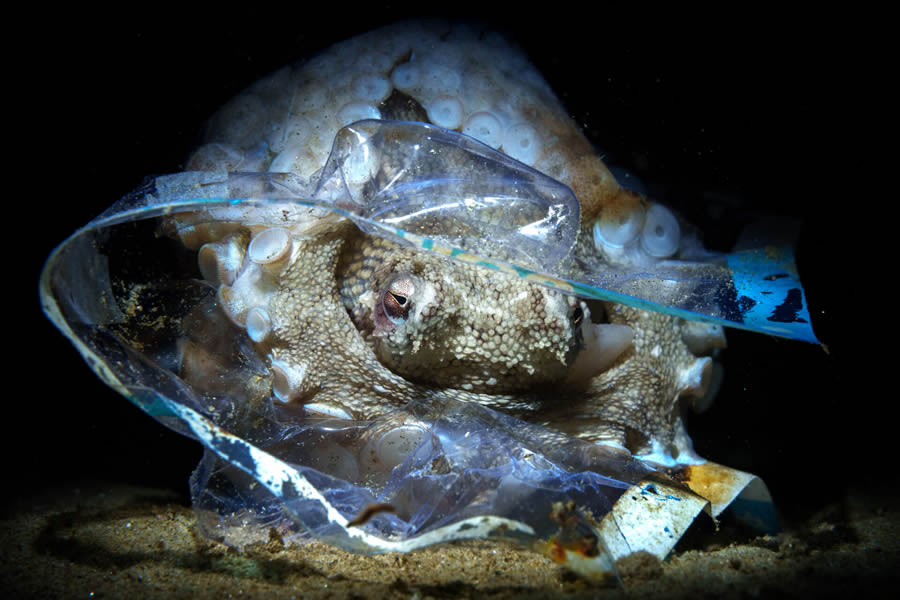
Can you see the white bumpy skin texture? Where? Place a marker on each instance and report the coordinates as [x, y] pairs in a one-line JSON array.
[[352, 326]]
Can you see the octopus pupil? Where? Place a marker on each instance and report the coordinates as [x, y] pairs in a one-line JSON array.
[[396, 306], [401, 300]]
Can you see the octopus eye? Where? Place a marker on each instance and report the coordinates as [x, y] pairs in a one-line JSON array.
[[396, 306], [396, 300]]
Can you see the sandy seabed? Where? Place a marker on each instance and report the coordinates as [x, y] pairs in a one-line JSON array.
[[115, 541]]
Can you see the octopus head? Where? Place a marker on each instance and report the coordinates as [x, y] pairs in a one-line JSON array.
[[449, 324]]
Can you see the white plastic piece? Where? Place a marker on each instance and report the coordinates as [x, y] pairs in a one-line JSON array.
[[523, 143], [618, 233], [270, 245], [484, 127], [259, 323], [722, 485], [651, 517], [661, 235], [285, 482], [446, 111]]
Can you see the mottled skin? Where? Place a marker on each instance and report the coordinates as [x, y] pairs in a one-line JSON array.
[[458, 327], [365, 325], [470, 334]]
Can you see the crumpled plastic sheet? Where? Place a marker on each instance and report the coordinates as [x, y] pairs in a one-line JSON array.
[[468, 462]]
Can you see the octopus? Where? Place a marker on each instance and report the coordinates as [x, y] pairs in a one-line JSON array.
[[352, 325], [299, 337]]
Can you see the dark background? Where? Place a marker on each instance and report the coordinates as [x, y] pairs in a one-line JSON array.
[[739, 113]]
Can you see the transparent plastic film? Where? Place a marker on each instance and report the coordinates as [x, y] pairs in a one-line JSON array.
[[432, 185]]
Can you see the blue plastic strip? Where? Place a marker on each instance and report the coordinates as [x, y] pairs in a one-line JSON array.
[[769, 296]]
